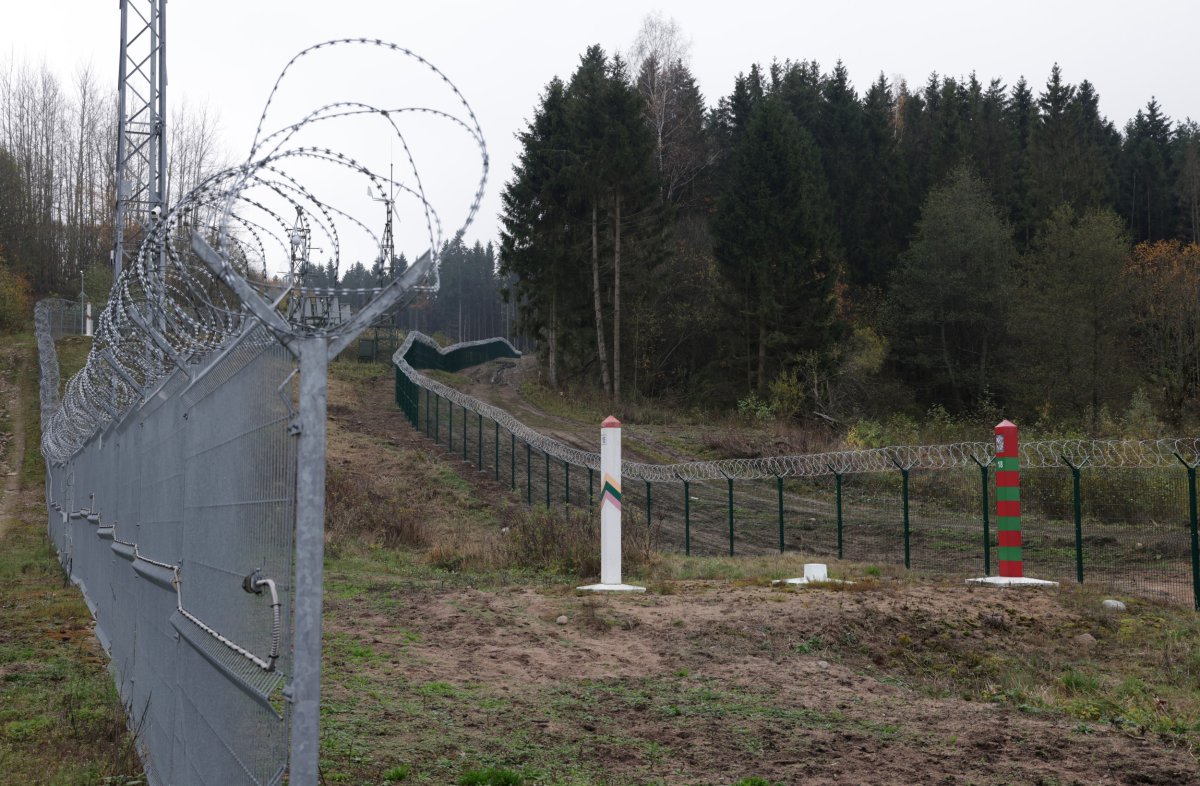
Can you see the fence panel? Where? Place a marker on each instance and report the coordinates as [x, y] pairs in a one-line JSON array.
[[925, 507]]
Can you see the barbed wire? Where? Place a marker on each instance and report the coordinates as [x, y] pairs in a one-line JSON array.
[[168, 310], [1041, 454]]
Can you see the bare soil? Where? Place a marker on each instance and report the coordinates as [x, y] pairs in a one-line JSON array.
[[912, 680]]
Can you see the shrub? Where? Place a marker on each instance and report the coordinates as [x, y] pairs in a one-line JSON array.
[[15, 308], [568, 541]]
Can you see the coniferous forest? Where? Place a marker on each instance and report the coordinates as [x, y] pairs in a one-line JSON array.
[[809, 249], [799, 247]]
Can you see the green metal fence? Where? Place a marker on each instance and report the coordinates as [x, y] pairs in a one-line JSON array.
[[1125, 518]]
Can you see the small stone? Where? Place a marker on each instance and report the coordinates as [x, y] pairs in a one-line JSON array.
[[562, 619], [822, 664], [1085, 640], [1113, 605]]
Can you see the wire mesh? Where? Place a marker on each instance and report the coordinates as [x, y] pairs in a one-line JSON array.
[[1134, 521], [177, 498]]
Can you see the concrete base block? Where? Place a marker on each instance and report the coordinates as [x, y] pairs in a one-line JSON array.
[[611, 588], [802, 581], [1011, 581]]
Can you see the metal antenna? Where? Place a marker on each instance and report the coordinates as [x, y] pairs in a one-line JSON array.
[[387, 244], [141, 131]]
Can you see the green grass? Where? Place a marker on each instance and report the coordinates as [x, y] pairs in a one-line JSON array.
[[61, 721]]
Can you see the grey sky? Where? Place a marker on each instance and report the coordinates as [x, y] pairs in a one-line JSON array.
[[501, 54]]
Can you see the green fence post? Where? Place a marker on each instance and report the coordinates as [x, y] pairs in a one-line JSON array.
[[512, 460], [480, 441], [496, 423], [465, 436], [837, 479], [649, 506], [428, 431], [687, 519], [547, 457], [987, 537], [730, 480], [779, 489], [904, 500], [567, 482], [450, 425], [591, 492], [1078, 516], [437, 419], [528, 475], [1191, 470]]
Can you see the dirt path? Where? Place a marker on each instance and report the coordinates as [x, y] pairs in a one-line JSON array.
[[14, 443]]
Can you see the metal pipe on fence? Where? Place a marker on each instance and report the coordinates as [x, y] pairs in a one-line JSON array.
[[1077, 507], [449, 426], [528, 475], [480, 445], [591, 493], [567, 482], [496, 463], [437, 418], [547, 456], [649, 507], [466, 434], [512, 460]]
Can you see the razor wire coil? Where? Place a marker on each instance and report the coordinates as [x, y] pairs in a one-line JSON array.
[[1096, 453], [168, 310]]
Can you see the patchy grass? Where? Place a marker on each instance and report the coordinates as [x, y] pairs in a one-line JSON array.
[[61, 721]]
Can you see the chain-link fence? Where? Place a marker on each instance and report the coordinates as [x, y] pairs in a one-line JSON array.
[[1117, 512], [64, 317], [186, 460]]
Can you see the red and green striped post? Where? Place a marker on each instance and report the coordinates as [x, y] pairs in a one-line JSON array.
[[1008, 500]]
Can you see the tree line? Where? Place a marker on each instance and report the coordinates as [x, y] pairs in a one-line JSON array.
[[57, 172], [828, 253]]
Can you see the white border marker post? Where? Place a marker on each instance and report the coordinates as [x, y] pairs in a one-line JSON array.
[[610, 511]]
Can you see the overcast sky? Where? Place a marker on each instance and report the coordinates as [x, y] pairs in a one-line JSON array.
[[502, 53]]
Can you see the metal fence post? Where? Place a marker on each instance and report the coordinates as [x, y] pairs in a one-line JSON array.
[[779, 490], [1078, 507], [837, 478], [496, 463], [730, 481], [528, 475], [567, 482], [310, 561], [547, 457], [1191, 470], [987, 537], [480, 442], [904, 501], [591, 493], [649, 506], [437, 419], [512, 459], [449, 425], [687, 519], [466, 433]]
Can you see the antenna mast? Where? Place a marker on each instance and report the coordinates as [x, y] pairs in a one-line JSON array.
[[141, 125]]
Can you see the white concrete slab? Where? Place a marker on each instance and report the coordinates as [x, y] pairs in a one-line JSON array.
[[1011, 581], [611, 588]]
